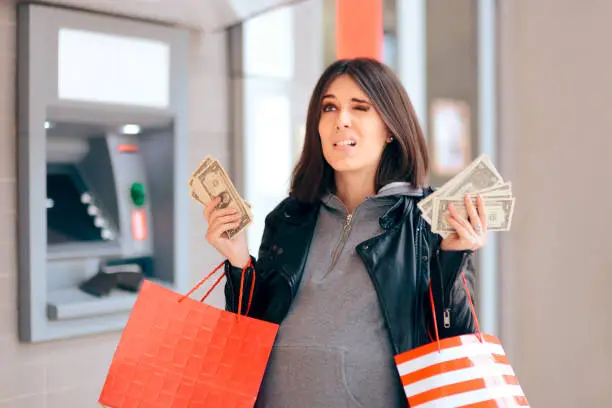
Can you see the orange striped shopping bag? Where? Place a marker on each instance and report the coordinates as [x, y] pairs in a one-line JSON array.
[[464, 371]]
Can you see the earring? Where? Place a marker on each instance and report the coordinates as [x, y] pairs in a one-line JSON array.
[[390, 139]]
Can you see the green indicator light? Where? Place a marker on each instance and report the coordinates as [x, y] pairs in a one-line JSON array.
[[137, 193]]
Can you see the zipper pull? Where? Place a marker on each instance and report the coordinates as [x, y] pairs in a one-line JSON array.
[[347, 223], [447, 318]]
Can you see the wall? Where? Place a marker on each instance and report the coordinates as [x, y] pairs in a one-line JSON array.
[[555, 147]]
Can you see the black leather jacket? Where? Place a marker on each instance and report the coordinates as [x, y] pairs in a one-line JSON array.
[[402, 261]]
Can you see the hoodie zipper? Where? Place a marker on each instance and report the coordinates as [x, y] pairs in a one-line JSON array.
[[348, 224]]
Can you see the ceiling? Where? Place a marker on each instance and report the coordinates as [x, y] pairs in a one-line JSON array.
[[206, 15]]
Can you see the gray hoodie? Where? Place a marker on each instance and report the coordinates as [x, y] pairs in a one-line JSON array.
[[332, 349]]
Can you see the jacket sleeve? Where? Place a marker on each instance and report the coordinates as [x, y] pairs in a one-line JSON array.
[[233, 274], [453, 309]]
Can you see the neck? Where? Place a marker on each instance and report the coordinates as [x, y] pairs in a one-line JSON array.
[[351, 189]]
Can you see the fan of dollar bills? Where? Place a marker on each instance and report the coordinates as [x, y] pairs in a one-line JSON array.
[[479, 178], [210, 180]]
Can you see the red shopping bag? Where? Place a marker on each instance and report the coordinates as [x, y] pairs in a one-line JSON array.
[[464, 371], [179, 352]]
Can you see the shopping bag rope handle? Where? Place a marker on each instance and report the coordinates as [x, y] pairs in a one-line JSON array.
[[200, 283], [433, 310]]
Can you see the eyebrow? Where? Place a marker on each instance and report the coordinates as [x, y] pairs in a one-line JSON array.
[[352, 99]]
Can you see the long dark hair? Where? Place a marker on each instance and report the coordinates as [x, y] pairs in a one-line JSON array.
[[404, 159]]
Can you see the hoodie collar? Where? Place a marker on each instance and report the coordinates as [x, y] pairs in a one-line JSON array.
[[394, 189], [399, 188]]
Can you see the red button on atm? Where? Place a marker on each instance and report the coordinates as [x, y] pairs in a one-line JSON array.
[[139, 225]]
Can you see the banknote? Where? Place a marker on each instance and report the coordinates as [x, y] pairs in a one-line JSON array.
[[499, 213], [209, 181], [500, 190], [196, 190], [479, 178], [480, 174]]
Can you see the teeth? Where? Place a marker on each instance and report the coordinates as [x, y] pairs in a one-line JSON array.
[[346, 143]]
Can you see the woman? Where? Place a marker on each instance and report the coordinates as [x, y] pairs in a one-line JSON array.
[[346, 260]]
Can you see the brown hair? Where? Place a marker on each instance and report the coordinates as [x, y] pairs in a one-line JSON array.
[[404, 159]]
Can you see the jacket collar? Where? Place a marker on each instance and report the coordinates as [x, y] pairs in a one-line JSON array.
[[397, 213]]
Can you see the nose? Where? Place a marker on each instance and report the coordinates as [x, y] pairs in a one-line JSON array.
[[344, 119]]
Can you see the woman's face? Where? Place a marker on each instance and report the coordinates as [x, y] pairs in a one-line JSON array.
[[353, 134]]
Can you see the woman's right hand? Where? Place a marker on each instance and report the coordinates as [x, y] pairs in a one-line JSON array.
[[220, 221]]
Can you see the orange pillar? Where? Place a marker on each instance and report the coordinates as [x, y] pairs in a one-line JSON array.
[[359, 29]]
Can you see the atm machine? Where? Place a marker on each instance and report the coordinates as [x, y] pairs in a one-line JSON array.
[[102, 168], [99, 220]]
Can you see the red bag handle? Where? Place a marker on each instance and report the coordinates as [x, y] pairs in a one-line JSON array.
[[200, 283], [433, 310]]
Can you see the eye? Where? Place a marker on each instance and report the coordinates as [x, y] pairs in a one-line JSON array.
[[363, 108], [329, 107]]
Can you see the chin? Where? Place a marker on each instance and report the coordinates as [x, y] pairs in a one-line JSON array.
[[343, 169], [343, 165], [354, 161]]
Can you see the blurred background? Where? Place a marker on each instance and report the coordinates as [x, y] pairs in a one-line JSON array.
[[106, 108]]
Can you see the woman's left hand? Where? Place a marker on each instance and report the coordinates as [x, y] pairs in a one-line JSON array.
[[470, 234]]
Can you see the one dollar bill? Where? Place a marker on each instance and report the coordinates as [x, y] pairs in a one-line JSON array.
[[499, 212], [210, 181]]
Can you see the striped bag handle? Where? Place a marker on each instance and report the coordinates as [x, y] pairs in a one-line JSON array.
[[433, 311]]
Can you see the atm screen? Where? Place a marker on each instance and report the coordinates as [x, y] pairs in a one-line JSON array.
[[72, 215]]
